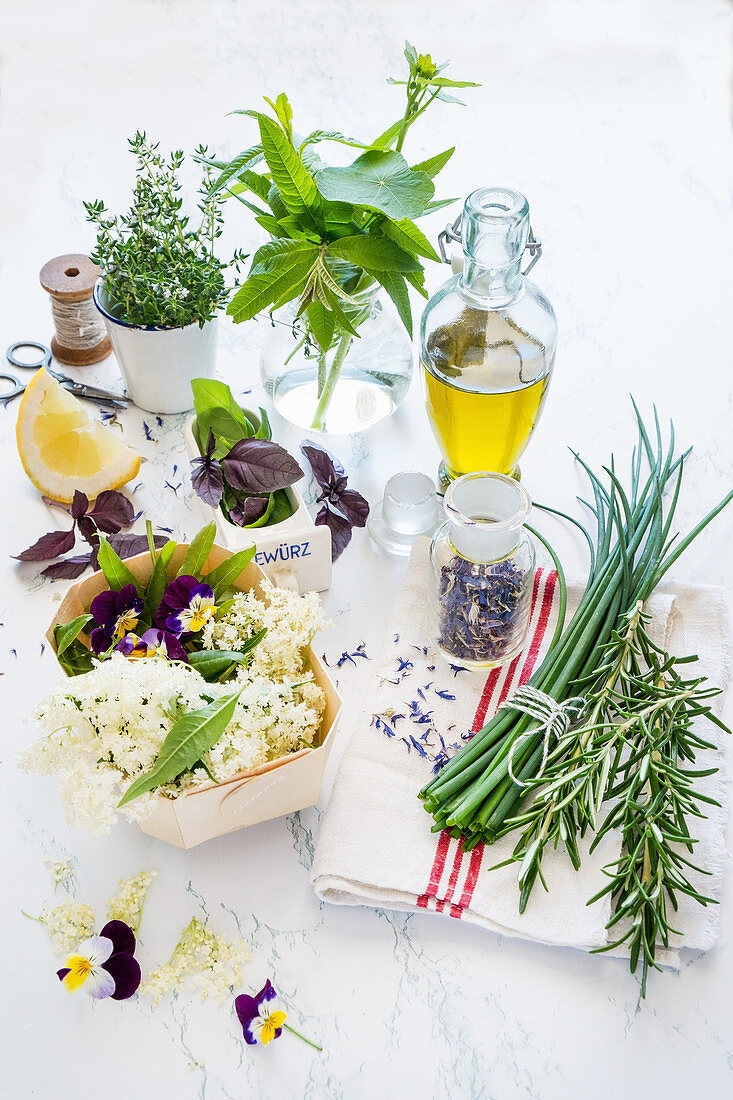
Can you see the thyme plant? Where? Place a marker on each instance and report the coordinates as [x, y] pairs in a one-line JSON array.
[[159, 269]]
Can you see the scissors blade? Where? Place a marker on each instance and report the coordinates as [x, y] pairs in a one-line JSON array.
[[93, 393]]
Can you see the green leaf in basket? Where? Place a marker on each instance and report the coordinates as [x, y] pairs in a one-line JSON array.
[[228, 571], [198, 552], [191, 736], [66, 633], [115, 571], [159, 579], [214, 664]]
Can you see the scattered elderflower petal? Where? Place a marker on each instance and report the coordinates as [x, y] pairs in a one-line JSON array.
[[201, 960], [67, 924], [62, 871], [127, 903]]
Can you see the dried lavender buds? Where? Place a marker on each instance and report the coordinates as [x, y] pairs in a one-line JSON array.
[[482, 609]]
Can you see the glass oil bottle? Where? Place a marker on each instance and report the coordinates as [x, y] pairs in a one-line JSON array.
[[488, 342]]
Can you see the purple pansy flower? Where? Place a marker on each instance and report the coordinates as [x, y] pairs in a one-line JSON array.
[[153, 643], [186, 607], [261, 1017], [115, 613], [105, 964]]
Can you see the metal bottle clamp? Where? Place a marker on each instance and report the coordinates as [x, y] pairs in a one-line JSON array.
[[452, 233]]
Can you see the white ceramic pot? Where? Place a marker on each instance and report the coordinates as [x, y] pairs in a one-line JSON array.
[[158, 364]]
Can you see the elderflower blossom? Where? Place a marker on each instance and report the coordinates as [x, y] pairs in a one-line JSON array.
[[202, 961], [106, 727], [127, 903], [291, 622], [68, 924]]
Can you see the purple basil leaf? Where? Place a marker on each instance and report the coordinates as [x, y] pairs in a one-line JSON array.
[[207, 479], [340, 530], [112, 511], [210, 444], [88, 530], [326, 470], [79, 504], [68, 569], [49, 546], [250, 511], [260, 466], [128, 545], [353, 506]]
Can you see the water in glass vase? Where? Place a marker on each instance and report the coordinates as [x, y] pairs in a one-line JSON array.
[[358, 382]]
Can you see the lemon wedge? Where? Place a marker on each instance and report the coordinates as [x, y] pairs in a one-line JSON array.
[[63, 449]]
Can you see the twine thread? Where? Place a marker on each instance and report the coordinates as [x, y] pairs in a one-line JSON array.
[[78, 324], [555, 720]]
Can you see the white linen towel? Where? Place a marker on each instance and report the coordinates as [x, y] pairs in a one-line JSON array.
[[376, 846]]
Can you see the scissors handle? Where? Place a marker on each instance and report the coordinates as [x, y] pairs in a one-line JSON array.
[[44, 361]]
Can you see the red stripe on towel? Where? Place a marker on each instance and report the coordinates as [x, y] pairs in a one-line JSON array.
[[437, 870], [526, 672]]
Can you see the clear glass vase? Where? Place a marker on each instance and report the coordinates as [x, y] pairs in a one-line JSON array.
[[355, 384], [481, 571], [488, 341]]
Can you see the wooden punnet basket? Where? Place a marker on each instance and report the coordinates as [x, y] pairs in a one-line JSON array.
[[271, 790]]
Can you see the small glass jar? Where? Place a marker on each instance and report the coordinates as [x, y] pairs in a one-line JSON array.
[[481, 571]]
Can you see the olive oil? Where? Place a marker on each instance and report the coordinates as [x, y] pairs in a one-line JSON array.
[[487, 343], [482, 431]]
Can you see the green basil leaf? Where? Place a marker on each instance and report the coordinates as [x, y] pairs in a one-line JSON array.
[[198, 552], [373, 253], [66, 633], [281, 506], [191, 736], [209, 393], [227, 429], [264, 430], [115, 571], [228, 571]]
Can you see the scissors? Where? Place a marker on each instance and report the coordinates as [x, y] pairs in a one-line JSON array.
[[79, 389]]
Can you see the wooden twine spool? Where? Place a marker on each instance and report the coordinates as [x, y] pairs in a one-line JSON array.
[[81, 337]]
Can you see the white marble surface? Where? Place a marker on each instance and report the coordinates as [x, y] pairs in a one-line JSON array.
[[614, 119]]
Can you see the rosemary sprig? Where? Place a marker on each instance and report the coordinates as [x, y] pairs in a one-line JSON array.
[[630, 750]]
